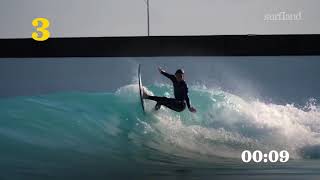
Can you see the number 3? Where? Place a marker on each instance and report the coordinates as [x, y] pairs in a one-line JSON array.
[[42, 33]]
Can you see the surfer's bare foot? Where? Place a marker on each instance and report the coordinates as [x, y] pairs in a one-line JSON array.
[[145, 95]]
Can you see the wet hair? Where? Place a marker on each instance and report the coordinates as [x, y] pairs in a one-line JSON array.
[[180, 71]]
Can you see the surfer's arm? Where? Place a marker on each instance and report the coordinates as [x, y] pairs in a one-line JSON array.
[[187, 99], [186, 96], [170, 76]]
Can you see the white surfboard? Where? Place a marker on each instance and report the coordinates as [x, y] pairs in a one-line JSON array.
[[140, 88]]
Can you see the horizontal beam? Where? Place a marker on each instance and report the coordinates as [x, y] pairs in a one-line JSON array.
[[226, 45]]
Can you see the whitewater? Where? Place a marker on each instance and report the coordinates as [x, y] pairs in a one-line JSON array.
[[93, 135]]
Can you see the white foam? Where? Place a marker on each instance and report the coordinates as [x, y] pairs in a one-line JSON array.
[[232, 125]]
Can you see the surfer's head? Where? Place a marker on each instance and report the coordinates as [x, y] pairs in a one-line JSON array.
[[179, 75]]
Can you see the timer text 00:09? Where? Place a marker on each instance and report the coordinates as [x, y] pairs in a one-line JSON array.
[[257, 156]]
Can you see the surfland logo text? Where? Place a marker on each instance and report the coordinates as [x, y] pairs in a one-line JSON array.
[[283, 16]]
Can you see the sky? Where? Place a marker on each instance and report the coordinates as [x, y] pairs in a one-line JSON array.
[[280, 79], [97, 18]]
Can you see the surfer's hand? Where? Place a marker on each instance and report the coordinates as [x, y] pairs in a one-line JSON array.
[[192, 109], [160, 69]]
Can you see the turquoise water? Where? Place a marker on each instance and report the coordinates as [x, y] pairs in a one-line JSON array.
[[106, 136]]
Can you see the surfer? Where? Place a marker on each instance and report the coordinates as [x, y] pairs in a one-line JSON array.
[[181, 98]]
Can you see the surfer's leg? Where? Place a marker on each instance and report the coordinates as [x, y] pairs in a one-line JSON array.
[[170, 103], [156, 98], [175, 105], [159, 101]]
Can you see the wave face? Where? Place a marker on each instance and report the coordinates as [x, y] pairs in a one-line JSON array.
[[98, 134]]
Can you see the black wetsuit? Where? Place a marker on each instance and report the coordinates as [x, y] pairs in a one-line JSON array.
[[180, 93]]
